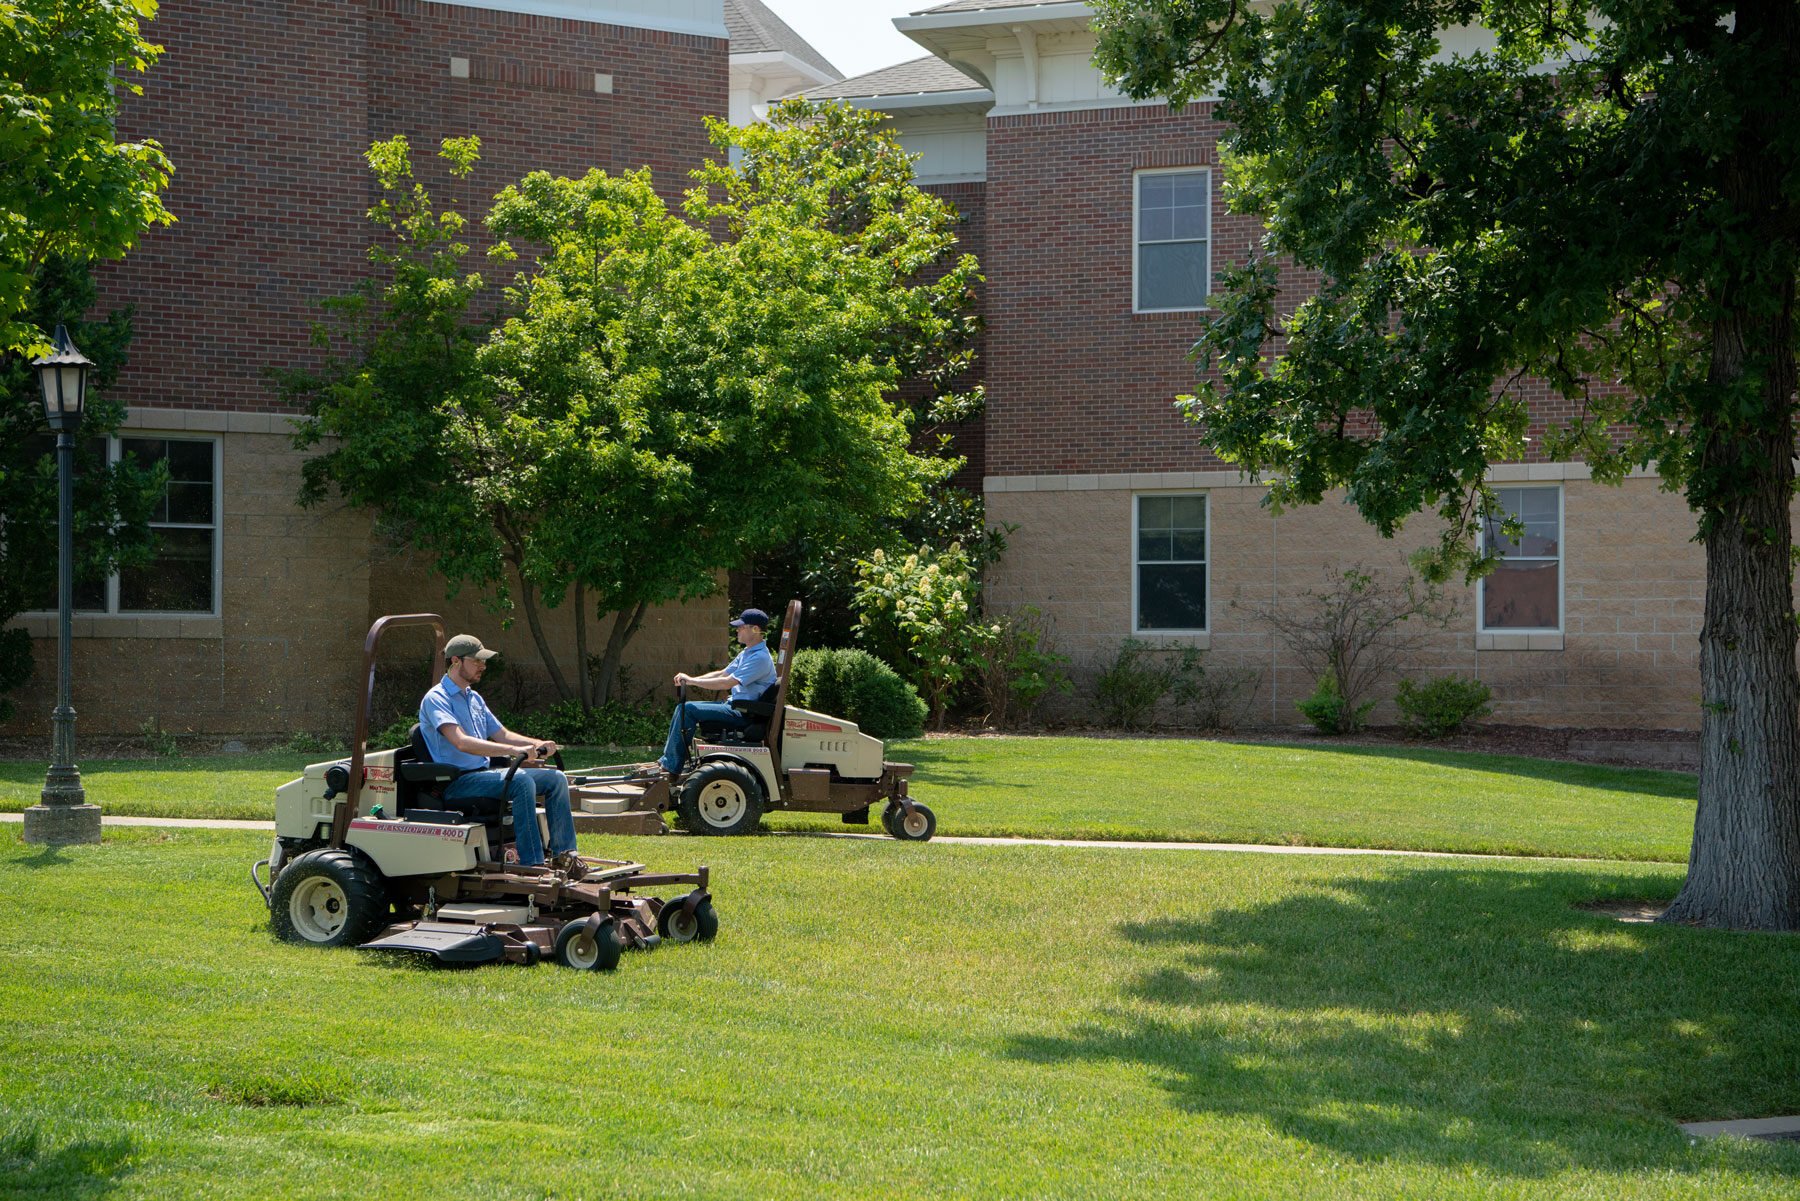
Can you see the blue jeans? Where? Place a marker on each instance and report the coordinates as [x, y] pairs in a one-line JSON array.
[[527, 785], [688, 715]]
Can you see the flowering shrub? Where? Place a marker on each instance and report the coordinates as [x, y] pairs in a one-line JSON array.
[[917, 612]]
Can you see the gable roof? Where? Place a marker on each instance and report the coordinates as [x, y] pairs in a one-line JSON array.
[[754, 29], [920, 76]]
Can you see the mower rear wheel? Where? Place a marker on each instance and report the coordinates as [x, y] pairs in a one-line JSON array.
[[589, 952], [917, 826], [328, 898], [676, 924], [721, 798]]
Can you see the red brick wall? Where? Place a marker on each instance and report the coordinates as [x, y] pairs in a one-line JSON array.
[[266, 111], [1078, 383], [970, 438]]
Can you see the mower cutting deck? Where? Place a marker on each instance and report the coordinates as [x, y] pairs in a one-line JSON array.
[[368, 852]]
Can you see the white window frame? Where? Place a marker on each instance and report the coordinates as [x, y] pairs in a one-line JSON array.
[[114, 451], [1136, 564], [1562, 575], [1137, 244]]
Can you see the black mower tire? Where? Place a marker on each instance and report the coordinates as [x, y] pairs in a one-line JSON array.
[[676, 925], [919, 827], [597, 954], [328, 898], [888, 813], [720, 798]]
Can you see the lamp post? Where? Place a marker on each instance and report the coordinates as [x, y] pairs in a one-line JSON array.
[[63, 814]]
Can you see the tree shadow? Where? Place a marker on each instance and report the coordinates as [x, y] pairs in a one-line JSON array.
[[88, 1168], [1650, 781], [1459, 1017]]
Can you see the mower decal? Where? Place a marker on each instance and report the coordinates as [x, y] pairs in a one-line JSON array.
[[378, 779], [802, 725], [451, 833], [701, 748]]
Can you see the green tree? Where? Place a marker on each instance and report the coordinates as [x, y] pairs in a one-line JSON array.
[[1607, 198], [112, 501], [68, 187], [656, 404]]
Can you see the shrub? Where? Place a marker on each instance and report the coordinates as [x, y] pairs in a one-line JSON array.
[[158, 740], [301, 742], [1017, 665], [1357, 630], [611, 724], [1128, 693], [919, 607], [1215, 696], [1329, 710], [858, 687], [1442, 706]]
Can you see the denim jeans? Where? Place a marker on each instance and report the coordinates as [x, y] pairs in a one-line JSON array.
[[528, 783], [688, 715]]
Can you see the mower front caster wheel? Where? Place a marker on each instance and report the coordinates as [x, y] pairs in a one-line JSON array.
[[328, 898], [676, 924], [587, 951], [917, 826]]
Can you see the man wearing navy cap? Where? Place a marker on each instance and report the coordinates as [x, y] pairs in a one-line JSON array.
[[746, 676]]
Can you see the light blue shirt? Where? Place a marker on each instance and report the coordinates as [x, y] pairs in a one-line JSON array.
[[753, 670], [448, 703]]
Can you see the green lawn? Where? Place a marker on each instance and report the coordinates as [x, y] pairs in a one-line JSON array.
[[1162, 789], [889, 1020]]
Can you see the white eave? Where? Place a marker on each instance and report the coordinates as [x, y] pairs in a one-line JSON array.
[[780, 64], [961, 38], [630, 16]]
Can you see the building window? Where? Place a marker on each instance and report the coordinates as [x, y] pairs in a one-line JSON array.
[[1524, 591], [183, 571], [1169, 576], [1173, 223]]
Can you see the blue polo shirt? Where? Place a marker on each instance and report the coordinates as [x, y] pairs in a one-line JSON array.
[[753, 670], [448, 702]]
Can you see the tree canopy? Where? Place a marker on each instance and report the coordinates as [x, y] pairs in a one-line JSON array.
[[665, 391], [1604, 196], [68, 186]]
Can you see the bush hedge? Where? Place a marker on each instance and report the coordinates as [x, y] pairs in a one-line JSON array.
[[858, 687]]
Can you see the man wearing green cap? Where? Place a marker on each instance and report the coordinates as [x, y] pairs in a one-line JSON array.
[[462, 731]]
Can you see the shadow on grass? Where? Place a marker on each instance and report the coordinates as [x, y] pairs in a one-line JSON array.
[[1460, 1018], [1647, 780], [88, 1168]]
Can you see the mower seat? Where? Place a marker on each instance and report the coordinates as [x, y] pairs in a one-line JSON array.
[[420, 785], [757, 711]]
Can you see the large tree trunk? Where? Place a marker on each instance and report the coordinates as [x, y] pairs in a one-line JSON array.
[[528, 595], [1744, 868], [584, 679], [623, 627]]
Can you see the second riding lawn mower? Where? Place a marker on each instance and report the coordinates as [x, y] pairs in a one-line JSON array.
[[369, 853], [785, 758]]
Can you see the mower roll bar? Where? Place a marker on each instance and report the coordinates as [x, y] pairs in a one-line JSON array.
[[365, 708]]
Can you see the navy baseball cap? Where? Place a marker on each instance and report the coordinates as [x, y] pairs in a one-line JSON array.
[[751, 617]]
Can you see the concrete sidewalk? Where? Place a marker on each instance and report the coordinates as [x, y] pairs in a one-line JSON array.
[[1251, 848]]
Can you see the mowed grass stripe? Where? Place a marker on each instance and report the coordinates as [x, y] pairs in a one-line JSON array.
[[1135, 789], [879, 1020]]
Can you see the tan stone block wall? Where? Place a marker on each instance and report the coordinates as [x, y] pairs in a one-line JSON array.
[[1633, 587], [298, 592]]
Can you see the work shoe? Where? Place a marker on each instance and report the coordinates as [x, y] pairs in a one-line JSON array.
[[570, 864]]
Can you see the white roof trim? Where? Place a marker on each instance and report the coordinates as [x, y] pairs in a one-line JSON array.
[[574, 10], [992, 16], [787, 63], [893, 100]]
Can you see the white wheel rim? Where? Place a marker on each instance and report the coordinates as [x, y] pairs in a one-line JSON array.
[[914, 824], [682, 925], [722, 803], [582, 951], [319, 909]]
